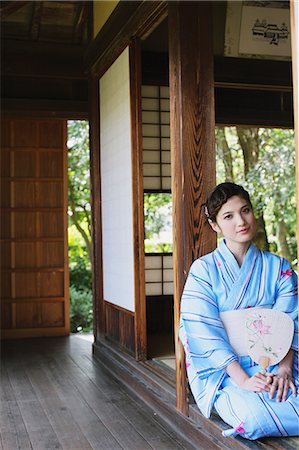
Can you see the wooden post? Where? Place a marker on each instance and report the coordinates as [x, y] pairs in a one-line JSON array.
[[96, 216], [192, 128], [294, 10], [138, 214]]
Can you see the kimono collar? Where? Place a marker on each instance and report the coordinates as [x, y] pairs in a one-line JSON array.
[[231, 260]]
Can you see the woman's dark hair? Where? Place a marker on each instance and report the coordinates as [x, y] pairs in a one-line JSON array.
[[219, 195]]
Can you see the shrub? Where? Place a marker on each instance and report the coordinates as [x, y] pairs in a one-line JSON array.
[[81, 313]]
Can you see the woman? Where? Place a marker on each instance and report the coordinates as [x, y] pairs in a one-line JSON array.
[[236, 276]]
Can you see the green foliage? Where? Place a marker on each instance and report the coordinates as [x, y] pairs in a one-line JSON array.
[[81, 313], [157, 222], [80, 273], [79, 178]]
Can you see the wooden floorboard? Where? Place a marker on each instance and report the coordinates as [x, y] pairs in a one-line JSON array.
[[54, 395]]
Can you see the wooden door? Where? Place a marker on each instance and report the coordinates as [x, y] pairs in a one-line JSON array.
[[34, 262]]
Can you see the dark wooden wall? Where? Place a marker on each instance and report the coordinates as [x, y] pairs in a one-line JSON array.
[[34, 262], [43, 79], [119, 326]]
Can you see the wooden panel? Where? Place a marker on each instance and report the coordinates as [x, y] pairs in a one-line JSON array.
[[51, 134], [51, 225], [192, 118], [51, 164], [25, 163], [25, 225], [34, 229], [119, 326]]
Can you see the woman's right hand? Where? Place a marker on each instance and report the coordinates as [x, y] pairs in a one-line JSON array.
[[259, 382]]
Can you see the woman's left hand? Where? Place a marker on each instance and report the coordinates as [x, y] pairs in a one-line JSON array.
[[282, 381]]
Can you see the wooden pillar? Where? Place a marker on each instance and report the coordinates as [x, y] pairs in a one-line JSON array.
[[138, 214], [294, 10], [192, 119], [96, 218]]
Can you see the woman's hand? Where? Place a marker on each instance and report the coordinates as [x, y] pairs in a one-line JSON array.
[[283, 379], [259, 382], [282, 382]]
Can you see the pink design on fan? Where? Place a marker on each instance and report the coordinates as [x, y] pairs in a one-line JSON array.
[[219, 264], [261, 328]]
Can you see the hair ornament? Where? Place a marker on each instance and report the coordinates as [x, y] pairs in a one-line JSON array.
[[207, 212]]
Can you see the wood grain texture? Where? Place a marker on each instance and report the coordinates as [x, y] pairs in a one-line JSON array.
[[33, 210], [294, 10], [119, 326], [54, 394], [137, 198], [96, 212], [192, 125]]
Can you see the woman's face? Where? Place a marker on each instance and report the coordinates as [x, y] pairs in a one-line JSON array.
[[236, 221]]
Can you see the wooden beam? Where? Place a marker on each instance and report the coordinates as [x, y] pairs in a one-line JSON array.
[[192, 127], [81, 19], [128, 20], [138, 205], [55, 109], [36, 19], [10, 7], [42, 59], [96, 214]]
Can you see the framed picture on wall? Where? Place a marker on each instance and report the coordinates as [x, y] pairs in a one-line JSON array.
[[257, 30], [265, 31]]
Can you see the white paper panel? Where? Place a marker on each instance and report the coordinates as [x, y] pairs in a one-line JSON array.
[[150, 104], [151, 170], [153, 262], [168, 289], [167, 262], [165, 118], [167, 275], [151, 156], [152, 183], [150, 130], [116, 179], [151, 117], [153, 289], [166, 183], [150, 143], [155, 125], [164, 91], [153, 275], [150, 91]]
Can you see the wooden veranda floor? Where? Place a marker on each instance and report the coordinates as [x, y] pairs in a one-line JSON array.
[[54, 395]]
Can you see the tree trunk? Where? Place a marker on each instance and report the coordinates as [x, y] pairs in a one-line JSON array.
[[261, 240], [282, 241], [249, 141], [225, 155]]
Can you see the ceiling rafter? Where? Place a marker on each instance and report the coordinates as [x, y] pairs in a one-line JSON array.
[[36, 20], [8, 8], [79, 27]]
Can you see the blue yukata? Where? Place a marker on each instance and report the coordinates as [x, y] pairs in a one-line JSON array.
[[216, 284]]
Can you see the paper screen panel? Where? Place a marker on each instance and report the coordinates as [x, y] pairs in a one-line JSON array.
[[156, 137], [116, 185]]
